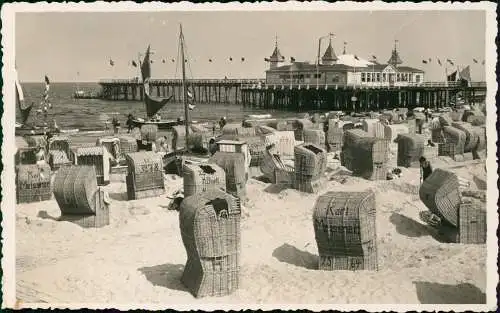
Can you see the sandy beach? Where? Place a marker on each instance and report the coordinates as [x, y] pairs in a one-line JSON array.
[[140, 257]]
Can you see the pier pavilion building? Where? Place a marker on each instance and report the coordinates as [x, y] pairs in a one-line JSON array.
[[345, 69]]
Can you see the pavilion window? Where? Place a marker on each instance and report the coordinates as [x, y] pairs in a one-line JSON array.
[[368, 77], [363, 77], [378, 77], [384, 77]]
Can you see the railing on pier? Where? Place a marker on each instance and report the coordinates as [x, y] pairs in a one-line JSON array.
[[232, 82], [263, 85]]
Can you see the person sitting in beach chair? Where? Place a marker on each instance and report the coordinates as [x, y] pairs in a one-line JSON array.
[[425, 169]]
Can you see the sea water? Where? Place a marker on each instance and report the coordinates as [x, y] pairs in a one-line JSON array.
[[91, 114]]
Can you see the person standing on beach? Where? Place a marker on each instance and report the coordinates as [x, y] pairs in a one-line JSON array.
[[425, 168], [130, 124], [116, 125]]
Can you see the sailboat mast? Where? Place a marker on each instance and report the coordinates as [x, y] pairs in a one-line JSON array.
[[184, 89]]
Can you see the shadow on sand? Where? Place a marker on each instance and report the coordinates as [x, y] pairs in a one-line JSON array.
[[118, 196], [411, 228], [165, 275], [46, 216], [289, 254], [274, 189], [434, 293]]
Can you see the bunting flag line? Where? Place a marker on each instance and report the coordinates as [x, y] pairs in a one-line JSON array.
[[356, 57], [163, 61], [242, 59], [430, 60], [374, 57], [111, 62], [230, 59], [475, 61], [173, 60], [266, 59], [292, 59], [424, 61], [210, 60], [482, 62], [439, 62], [151, 61], [134, 64]]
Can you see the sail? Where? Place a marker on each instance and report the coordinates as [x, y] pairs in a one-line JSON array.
[[465, 76], [23, 106], [452, 77], [146, 66], [153, 104]]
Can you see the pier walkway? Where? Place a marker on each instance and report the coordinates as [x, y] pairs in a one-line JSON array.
[[298, 97]]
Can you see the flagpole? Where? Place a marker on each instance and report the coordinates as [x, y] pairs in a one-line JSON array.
[[184, 90]]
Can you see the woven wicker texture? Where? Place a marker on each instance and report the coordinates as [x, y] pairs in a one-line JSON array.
[[264, 130], [392, 131], [280, 125], [441, 195], [456, 137], [456, 116], [353, 136], [410, 149], [33, 183], [299, 126], [472, 221], [99, 158], [315, 136], [345, 231], [74, 189], [273, 167], [310, 160], [179, 137], [481, 135], [25, 155], [374, 128], [149, 132], [347, 126], [100, 218], [437, 135], [445, 120], [238, 130], [466, 114], [127, 144], [210, 231], [145, 175], [477, 120], [58, 158], [199, 141], [202, 177], [233, 165], [471, 136], [112, 145], [335, 137]]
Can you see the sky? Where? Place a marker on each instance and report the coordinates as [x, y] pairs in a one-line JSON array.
[[62, 44]]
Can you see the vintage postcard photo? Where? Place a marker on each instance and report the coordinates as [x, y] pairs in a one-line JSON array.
[[322, 156]]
